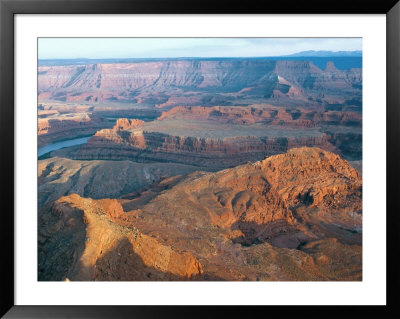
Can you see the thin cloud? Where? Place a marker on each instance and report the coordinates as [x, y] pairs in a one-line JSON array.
[[70, 48]]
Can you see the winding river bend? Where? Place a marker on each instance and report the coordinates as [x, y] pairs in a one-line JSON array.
[[55, 146]]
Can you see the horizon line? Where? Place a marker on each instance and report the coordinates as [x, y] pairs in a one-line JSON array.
[[211, 57]]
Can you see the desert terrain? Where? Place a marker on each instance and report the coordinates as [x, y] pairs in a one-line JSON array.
[[199, 169]]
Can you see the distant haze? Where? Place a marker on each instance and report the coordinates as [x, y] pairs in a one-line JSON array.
[[116, 48]]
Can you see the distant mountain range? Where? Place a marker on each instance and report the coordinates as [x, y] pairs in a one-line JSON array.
[[312, 53]]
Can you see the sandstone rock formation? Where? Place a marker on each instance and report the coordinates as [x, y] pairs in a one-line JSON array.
[[264, 200], [125, 124], [293, 216]]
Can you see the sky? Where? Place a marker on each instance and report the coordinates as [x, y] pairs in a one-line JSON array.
[[109, 48]]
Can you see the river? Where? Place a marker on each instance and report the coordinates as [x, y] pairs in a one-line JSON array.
[[56, 146]]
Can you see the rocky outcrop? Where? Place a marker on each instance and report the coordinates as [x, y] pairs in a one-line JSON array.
[[315, 178], [271, 200], [125, 124]]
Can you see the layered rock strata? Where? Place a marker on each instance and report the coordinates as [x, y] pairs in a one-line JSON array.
[[141, 146], [191, 82]]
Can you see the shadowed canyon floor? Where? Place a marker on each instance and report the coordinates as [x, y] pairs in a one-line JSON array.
[[294, 216]]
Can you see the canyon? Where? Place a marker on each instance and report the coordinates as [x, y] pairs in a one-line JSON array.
[[199, 170], [58, 122]]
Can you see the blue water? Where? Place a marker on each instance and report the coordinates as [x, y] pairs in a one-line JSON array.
[[56, 146]]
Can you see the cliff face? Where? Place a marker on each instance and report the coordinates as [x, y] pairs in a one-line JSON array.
[[142, 146], [308, 76], [169, 83], [293, 216]]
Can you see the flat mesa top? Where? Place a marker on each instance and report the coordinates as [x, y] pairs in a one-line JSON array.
[[209, 129]]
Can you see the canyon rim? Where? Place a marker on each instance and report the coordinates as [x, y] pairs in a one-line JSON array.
[[209, 159]]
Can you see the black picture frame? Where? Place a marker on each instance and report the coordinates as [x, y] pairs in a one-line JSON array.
[[8, 8]]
